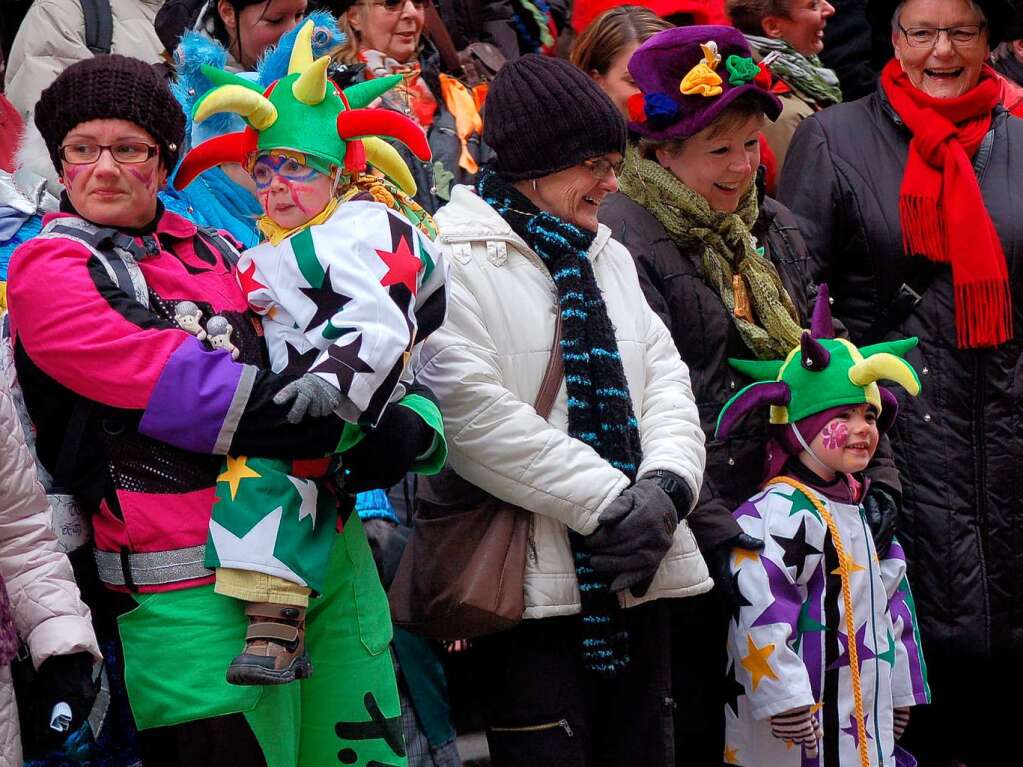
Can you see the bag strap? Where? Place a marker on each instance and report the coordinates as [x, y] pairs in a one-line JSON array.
[[99, 25], [440, 36], [552, 376]]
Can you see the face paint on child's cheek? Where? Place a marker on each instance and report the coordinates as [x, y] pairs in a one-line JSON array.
[[835, 435]]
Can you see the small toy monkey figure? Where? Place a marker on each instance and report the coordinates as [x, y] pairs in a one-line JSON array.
[[189, 318], [219, 330]]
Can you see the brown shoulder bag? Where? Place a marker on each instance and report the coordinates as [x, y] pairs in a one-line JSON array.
[[462, 572]]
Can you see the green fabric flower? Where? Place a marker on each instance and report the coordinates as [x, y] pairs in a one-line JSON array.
[[741, 69]]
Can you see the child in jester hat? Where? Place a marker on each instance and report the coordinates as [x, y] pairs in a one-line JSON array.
[[348, 282], [824, 653]]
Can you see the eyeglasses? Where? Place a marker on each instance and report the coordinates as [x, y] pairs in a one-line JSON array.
[[125, 152], [269, 165], [600, 167], [394, 6], [927, 37]]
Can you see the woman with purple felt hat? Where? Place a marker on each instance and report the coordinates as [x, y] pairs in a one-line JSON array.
[[726, 269]]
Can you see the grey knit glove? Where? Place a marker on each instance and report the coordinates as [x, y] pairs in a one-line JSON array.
[[312, 397], [634, 535]]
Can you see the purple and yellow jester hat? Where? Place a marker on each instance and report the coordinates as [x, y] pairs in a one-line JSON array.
[[307, 113], [821, 373]]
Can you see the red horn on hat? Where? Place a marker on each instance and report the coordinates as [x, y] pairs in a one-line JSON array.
[[231, 147], [383, 122]]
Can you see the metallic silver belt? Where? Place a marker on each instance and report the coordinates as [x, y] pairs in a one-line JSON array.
[[152, 568]]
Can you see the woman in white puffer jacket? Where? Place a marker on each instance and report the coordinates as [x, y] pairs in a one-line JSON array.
[[40, 603], [612, 473]]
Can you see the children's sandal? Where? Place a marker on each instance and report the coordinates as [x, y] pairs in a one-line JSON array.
[[274, 646]]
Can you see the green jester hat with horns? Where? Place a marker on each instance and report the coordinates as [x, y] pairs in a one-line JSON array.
[[305, 112], [821, 373]]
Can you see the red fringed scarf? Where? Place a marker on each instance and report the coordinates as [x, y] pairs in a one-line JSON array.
[[941, 209]]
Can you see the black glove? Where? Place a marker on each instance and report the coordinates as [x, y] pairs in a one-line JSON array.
[[385, 454], [719, 562], [634, 534], [62, 678], [882, 511]]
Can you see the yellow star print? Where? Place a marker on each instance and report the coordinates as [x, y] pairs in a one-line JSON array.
[[237, 470], [757, 661], [848, 567], [743, 554], [731, 755]]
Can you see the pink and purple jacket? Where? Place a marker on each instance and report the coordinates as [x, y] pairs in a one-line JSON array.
[[161, 406]]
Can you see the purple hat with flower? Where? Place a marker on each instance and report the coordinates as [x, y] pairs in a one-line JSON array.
[[688, 76]]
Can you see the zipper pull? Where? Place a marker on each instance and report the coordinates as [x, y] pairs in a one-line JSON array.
[[567, 728]]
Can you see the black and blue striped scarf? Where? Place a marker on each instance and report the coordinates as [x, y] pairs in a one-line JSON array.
[[599, 406]]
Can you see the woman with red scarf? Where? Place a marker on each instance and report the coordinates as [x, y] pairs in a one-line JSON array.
[[909, 201]]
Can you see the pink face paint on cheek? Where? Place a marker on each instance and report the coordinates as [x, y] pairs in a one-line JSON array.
[[296, 190], [71, 172], [835, 435]]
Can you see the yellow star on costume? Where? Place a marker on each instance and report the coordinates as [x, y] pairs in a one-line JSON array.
[[848, 567], [236, 472], [757, 661], [816, 707], [744, 554], [731, 755]]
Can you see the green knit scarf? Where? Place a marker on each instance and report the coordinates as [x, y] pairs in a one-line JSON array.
[[728, 247], [804, 73]]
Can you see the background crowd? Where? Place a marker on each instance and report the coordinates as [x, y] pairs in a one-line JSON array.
[[629, 198]]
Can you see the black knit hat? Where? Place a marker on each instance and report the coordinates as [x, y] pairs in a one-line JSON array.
[[111, 87], [544, 115]]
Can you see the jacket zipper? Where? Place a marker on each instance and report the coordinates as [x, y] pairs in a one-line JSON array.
[[562, 723], [980, 469]]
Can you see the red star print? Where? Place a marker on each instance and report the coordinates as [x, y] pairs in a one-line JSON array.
[[402, 266], [248, 282]]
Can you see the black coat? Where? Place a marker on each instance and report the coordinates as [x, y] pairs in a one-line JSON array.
[[706, 337], [959, 445]]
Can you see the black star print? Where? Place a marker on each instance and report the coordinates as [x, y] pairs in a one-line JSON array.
[[796, 548], [300, 362], [740, 598], [344, 362], [733, 690], [328, 301]]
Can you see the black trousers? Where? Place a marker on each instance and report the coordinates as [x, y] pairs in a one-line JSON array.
[[976, 710], [223, 741], [699, 637], [544, 709]]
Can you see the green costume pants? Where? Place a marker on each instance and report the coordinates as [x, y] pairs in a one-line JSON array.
[[178, 644]]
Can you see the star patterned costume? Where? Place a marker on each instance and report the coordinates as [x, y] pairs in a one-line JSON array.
[[789, 645], [820, 622], [345, 297]]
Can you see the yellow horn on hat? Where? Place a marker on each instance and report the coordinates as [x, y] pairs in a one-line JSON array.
[[302, 52], [885, 367], [385, 158], [253, 106], [311, 85]]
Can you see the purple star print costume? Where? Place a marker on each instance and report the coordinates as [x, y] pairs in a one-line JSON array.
[[788, 644]]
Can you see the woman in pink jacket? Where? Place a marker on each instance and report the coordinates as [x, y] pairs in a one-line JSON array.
[[39, 601]]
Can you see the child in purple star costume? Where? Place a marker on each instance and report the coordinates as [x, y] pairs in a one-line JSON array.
[[824, 655]]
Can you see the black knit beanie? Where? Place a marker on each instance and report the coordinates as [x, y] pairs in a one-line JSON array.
[[110, 87], [543, 115]]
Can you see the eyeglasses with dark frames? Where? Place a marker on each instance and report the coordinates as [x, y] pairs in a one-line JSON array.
[[123, 152], [600, 167], [927, 37], [394, 6]]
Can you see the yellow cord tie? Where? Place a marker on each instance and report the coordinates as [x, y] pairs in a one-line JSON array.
[[850, 618]]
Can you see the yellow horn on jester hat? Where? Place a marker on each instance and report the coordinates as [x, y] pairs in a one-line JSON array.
[[311, 86], [302, 51], [884, 366], [385, 158], [237, 99]]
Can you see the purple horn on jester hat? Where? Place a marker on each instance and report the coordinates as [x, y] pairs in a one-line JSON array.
[[822, 326], [889, 409], [750, 398], [815, 356]]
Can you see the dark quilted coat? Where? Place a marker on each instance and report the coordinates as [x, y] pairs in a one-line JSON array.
[[958, 446]]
